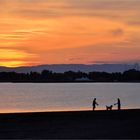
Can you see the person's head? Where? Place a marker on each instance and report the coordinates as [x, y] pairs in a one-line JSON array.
[[94, 98]]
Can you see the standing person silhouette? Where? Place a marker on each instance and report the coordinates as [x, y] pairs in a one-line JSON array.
[[94, 104], [118, 103]]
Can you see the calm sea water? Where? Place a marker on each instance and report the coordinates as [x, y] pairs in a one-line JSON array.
[[66, 96]]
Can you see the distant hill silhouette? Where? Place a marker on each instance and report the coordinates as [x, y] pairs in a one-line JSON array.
[[61, 68]]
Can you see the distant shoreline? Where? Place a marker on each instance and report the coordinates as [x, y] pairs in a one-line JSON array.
[[72, 82], [71, 125], [70, 77]]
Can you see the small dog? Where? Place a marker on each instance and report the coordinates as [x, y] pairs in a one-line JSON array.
[[109, 107]]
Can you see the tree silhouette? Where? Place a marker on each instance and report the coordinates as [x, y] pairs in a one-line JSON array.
[[70, 76]]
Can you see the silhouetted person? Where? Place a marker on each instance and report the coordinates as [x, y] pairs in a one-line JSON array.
[[94, 104], [119, 104]]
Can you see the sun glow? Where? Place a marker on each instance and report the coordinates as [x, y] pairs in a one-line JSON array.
[[13, 63], [14, 58]]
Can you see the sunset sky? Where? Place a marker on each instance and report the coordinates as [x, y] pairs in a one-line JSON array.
[[34, 32]]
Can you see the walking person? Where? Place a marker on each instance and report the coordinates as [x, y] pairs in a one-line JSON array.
[[118, 103], [94, 104]]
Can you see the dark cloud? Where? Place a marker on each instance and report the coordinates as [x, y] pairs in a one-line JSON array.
[[36, 13], [117, 32], [134, 23], [104, 4], [103, 62], [54, 8]]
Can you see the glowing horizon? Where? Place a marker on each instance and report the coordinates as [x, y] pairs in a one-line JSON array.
[[38, 32]]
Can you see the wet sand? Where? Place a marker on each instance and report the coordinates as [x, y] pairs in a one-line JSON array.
[[74, 125]]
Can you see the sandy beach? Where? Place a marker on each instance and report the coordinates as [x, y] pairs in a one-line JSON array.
[[77, 124]]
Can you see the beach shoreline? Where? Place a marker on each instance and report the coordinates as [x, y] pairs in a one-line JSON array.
[[71, 125]]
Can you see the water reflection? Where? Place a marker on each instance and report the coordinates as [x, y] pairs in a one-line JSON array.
[[63, 97]]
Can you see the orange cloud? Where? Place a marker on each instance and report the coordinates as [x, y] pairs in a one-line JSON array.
[[40, 31]]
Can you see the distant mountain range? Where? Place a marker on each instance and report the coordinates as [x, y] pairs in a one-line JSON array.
[[60, 68]]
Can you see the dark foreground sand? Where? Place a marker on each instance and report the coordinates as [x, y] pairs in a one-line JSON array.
[[82, 124]]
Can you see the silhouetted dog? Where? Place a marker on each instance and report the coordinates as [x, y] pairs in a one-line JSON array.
[[109, 107]]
